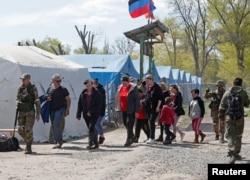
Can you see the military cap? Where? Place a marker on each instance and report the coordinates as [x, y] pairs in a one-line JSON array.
[[25, 76], [220, 83]]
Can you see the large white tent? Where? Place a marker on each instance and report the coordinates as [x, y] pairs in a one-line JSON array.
[[16, 60]]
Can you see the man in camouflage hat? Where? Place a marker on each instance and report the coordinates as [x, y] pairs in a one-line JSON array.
[[27, 97], [216, 96], [234, 124]]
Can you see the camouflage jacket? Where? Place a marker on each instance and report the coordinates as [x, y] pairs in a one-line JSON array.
[[28, 96], [224, 102]]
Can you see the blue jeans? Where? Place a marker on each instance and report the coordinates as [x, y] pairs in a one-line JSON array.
[[98, 126], [56, 117]]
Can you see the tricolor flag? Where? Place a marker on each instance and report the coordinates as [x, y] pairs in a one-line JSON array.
[[141, 7]]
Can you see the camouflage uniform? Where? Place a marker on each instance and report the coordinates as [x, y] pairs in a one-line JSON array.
[[216, 97], [27, 96], [234, 128]]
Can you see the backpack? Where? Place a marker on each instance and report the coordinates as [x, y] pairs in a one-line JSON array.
[[8, 143], [235, 110]]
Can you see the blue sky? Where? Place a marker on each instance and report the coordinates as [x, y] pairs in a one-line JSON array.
[[36, 19]]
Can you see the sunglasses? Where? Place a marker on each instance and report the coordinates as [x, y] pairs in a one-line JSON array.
[[59, 81]]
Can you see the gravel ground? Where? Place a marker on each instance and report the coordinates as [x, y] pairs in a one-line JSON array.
[[178, 161]]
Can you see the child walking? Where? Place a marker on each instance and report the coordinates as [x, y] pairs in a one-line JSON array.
[[167, 119], [141, 118]]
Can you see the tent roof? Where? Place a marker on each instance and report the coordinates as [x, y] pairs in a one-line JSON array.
[[100, 62], [188, 77], [136, 63], [33, 56], [183, 76], [16, 60], [176, 75]]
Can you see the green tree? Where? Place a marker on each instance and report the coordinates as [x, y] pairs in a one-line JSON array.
[[193, 18], [232, 17], [52, 45]]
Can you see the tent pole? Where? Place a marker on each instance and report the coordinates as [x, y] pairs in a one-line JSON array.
[[141, 55]]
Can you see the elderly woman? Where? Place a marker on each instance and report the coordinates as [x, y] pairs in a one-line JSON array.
[[127, 101], [89, 105]]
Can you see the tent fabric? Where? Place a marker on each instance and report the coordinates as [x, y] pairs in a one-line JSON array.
[[107, 68], [165, 71], [155, 73], [176, 76], [16, 60]]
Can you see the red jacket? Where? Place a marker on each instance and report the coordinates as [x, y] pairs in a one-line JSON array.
[[167, 115]]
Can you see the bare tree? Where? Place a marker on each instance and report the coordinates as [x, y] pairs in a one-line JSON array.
[[193, 15], [87, 38], [123, 46]]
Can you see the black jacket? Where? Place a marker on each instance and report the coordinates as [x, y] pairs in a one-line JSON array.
[[94, 107], [103, 93]]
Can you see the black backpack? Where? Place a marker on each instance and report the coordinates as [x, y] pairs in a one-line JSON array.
[[235, 110], [8, 143]]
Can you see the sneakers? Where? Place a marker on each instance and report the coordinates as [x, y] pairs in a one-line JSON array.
[[58, 145], [101, 139], [150, 141], [182, 136], [92, 147]]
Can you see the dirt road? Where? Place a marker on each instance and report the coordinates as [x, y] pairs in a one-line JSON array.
[[180, 160]]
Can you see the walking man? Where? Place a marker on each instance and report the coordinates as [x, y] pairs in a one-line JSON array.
[[234, 125], [59, 108], [27, 97], [216, 97]]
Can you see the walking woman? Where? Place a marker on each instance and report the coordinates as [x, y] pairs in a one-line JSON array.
[[89, 104], [127, 100], [178, 108]]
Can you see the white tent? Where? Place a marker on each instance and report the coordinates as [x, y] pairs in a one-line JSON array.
[[16, 60]]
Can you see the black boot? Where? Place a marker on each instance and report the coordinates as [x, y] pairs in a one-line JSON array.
[[167, 140], [129, 141], [28, 149], [160, 138], [95, 142], [91, 141]]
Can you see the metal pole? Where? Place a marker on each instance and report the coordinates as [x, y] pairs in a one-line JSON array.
[[141, 55]]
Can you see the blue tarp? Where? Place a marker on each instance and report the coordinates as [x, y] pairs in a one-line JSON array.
[[107, 68], [176, 76], [155, 73], [165, 71]]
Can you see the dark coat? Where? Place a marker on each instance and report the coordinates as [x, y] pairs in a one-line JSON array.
[[103, 93], [94, 107], [178, 108], [153, 96]]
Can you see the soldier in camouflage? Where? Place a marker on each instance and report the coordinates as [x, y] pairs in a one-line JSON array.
[[234, 127], [27, 97], [216, 96]]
